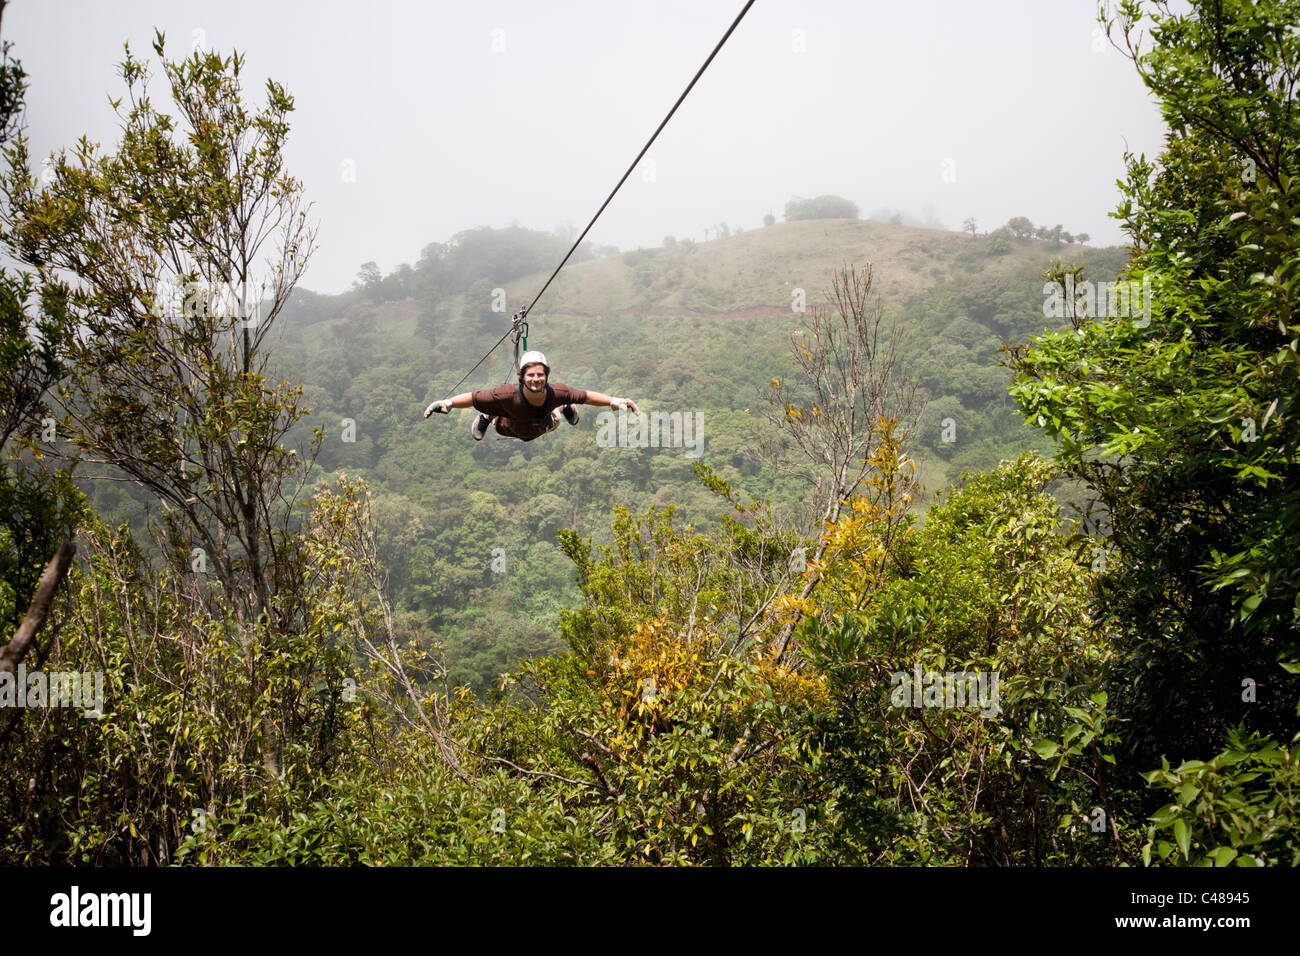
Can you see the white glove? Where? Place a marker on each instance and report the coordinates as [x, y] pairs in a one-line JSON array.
[[619, 404], [442, 407]]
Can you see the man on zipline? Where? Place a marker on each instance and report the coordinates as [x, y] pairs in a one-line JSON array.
[[530, 409]]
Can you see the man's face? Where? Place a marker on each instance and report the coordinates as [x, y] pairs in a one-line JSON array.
[[535, 378]]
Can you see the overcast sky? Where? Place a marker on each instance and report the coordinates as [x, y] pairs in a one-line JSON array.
[[415, 121]]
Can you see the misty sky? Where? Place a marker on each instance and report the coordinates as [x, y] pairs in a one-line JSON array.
[[456, 115]]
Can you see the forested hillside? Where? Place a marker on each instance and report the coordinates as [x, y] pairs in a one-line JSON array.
[[981, 550], [447, 509]]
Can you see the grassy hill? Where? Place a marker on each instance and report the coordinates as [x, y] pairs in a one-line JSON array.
[[754, 273]]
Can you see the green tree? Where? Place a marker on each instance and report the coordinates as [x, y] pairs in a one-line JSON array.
[[164, 240], [1181, 421], [368, 277], [1020, 227], [821, 207], [39, 506], [987, 586], [153, 254]]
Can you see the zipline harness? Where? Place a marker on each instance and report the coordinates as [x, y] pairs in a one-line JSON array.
[[519, 324]]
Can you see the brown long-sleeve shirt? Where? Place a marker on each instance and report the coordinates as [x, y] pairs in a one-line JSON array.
[[519, 418]]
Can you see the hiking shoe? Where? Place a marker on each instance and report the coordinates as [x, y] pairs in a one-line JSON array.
[[570, 414], [480, 426]]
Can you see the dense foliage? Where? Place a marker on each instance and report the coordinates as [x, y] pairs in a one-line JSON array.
[[1179, 418]]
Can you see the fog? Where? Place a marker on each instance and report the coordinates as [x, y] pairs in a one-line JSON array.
[[415, 121]]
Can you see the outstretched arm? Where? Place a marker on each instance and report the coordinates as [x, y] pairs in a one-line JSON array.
[[463, 400], [600, 398]]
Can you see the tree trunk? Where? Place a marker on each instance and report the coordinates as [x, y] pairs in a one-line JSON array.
[[16, 650]]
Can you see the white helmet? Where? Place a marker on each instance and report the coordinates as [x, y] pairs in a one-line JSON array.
[[533, 358]]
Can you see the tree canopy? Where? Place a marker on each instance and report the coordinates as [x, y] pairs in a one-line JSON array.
[[820, 207]]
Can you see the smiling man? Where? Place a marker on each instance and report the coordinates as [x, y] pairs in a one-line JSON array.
[[530, 409]]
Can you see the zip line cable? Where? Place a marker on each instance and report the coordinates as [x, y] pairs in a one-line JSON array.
[[644, 149], [522, 316]]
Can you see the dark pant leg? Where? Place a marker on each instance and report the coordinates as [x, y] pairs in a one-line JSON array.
[[523, 431]]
